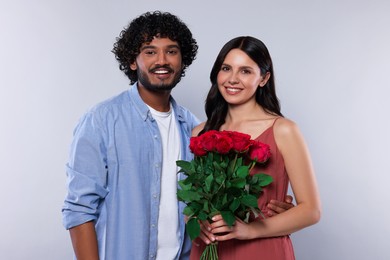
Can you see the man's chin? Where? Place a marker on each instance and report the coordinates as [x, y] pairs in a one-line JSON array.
[[159, 88], [159, 85]]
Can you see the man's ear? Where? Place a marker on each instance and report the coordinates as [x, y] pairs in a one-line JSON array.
[[133, 66], [265, 79]]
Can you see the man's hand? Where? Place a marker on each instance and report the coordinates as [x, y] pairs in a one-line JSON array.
[[276, 207]]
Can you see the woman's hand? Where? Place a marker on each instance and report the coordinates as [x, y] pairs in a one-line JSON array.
[[221, 231], [205, 232], [218, 230]]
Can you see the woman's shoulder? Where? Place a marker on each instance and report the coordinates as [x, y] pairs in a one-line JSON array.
[[198, 128], [285, 127]]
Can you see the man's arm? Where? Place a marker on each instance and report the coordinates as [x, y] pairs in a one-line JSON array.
[[275, 207], [84, 241]]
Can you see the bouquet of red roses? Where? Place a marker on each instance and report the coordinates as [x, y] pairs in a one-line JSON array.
[[218, 180]]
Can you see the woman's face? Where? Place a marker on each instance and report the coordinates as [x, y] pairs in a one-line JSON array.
[[239, 78]]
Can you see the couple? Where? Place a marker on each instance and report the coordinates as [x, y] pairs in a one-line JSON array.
[[121, 201]]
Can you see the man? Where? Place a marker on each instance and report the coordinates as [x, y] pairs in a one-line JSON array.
[[121, 201], [122, 182]]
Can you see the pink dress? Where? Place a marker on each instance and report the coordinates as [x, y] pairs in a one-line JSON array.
[[276, 248]]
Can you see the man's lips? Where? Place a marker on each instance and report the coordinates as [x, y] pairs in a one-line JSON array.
[[161, 70]]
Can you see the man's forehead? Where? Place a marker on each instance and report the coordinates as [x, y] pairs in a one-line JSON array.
[[158, 41]]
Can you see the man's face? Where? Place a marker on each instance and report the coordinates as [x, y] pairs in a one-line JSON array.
[[159, 64]]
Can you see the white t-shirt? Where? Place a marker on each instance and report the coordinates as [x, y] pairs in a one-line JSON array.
[[168, 220]]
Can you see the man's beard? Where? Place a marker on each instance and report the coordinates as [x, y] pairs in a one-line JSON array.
[[144, 80]]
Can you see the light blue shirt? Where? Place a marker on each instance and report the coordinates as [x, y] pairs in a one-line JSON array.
[[114, 174]]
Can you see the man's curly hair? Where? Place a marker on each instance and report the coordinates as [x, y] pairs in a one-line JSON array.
[[142, 30]]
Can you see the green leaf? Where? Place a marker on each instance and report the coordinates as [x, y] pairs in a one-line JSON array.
[[239, 161], [229, 217], [235, 191], [249, 200], [189, 180], [184, 186], [230, 168], [254, 179], [196, 206], [218, 166], [193, 228], [206, 206], [213, 210], [220, 178], [210, 158], [188, 195], [264, 179], [234, 205], [202, 215], [255, 190], [209, 170], [242, 171], [199, 166], [238, 183], [225, 162], [228, 184], [188, 211], [224, 199], [208, 181], [185, 166]]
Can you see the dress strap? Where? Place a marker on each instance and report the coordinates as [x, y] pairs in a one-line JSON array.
[[275, 121]]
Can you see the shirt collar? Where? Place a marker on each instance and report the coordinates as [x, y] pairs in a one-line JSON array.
[[143, 109]]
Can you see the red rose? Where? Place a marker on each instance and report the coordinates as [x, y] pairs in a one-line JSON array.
[[259, 152], [196, 146], [241, 141], [209, 140], [224, 143]]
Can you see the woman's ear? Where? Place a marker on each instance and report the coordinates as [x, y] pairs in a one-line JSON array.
[[265, 79]]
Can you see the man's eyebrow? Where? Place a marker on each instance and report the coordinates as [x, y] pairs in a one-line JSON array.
[[173, 46], [147, 47], [154, 47]]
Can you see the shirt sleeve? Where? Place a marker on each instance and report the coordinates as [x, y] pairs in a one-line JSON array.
[[86, 173]]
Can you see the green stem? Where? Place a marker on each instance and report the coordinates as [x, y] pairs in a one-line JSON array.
[[234, 163], [252, 165], [215, 252], [210, 252]]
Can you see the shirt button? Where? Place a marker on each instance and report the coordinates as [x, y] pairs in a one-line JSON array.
[[155, 196], [153, 225], [156, 165], [151, 256], [155, 136]]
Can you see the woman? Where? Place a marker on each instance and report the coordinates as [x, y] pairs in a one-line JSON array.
[[242, 98]]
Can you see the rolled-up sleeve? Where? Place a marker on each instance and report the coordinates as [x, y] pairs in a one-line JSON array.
[[86, 173]]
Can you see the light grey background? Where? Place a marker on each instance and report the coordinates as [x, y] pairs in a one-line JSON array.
[[332, 68]]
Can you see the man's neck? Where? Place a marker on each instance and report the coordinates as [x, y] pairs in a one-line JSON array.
[[158, 100]]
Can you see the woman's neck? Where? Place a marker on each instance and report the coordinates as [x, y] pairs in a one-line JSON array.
[[244, 112], [250, 119]]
